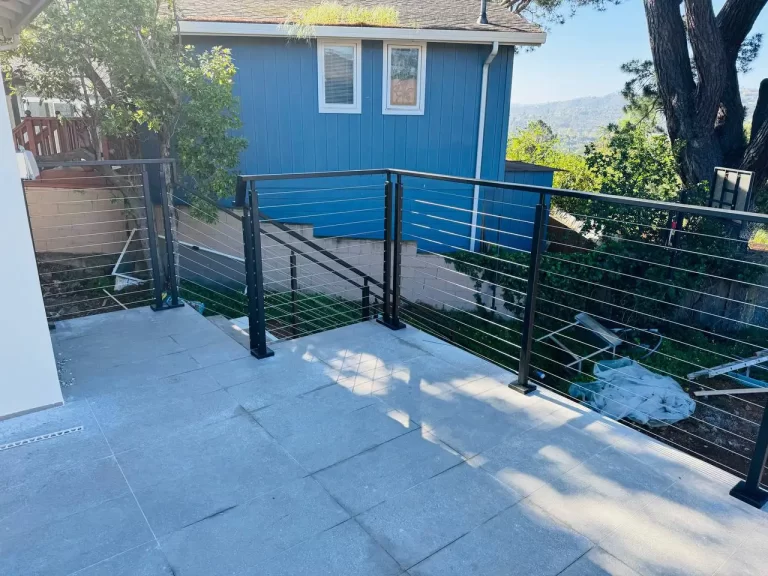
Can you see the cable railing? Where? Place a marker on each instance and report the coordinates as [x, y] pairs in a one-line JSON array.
[[662, 327], [309, 288], [94, 233]]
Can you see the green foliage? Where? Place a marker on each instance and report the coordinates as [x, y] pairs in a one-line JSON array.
[[207, 153], [120, 63], [635, 161], [628, 275], [538, 144]]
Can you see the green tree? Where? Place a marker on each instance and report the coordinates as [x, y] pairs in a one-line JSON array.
[[539, 145], [634, 160], [697, 55], [121, 63]]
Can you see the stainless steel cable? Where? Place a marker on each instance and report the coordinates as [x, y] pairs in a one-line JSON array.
[[100, 308], [667, 284], [265, 207], [459, 209], [650, 263], [304, 191]]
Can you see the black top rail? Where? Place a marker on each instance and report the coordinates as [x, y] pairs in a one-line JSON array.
[[580, 194], [138, 162], [304, 175]]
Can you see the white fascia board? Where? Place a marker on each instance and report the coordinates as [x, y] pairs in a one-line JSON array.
[[203, 28]]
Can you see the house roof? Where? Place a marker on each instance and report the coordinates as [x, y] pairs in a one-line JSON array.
[[457, 15], [14, 15], [517, 166]]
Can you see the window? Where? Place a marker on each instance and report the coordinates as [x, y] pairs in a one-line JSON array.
[[404, 74], [338, 65]]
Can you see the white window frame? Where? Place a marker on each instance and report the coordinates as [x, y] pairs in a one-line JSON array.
[[355, 107], [421, 81]]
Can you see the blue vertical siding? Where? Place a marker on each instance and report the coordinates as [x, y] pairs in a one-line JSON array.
[[276, 83], [512, 224]]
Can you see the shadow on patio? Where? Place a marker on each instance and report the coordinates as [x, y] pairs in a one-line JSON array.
[[354, 451]]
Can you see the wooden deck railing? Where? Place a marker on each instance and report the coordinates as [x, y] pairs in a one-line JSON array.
[[45, 136]]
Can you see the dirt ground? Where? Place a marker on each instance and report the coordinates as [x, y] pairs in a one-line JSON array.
[[722, 430], [85, 286]]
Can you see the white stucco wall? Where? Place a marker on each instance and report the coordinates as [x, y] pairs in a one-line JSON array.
[[28, 377]]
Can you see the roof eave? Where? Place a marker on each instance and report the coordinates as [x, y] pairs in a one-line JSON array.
[[13, 19], [217, 28]]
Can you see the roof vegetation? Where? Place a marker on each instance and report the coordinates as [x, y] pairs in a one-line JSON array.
[[301, 23]]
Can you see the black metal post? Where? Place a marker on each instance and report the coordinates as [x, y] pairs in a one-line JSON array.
[[397, 256], [366, 308], [749, 490], [539, 227], [256, 318], [387, 250], [250, 290], [169, 246], [393, 208], [294, 294], [152, 240]]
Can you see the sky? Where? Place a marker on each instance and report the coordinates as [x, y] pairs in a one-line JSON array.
[[582, 57]]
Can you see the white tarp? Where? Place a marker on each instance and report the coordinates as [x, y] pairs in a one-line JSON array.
[[624, 389]]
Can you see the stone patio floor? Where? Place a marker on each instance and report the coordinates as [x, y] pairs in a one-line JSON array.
[[358, 451]]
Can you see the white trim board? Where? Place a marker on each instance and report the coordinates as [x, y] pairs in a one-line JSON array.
[[204, 28], [357, 69]]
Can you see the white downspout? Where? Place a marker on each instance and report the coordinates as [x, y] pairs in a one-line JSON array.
[[480, 138]]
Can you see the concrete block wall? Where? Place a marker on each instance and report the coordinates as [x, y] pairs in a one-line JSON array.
[[426, 278], [73, 221]]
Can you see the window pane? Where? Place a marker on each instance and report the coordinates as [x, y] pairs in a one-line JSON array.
[[404, 71], [339, 74]]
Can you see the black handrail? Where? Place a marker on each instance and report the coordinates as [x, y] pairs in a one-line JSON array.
[[625, 200], [137, 162]]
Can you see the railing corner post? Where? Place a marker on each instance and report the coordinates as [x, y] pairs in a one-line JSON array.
[[393, 208], [257, 325], [166, 201], [522, 383], [159, 303], [154, 259]]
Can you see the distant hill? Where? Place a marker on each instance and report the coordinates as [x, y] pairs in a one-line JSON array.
[[579, 121]]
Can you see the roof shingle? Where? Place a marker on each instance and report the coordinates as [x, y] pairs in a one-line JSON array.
[[434, 14]]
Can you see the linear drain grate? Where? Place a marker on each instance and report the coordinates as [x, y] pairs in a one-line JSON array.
[[39, 438]]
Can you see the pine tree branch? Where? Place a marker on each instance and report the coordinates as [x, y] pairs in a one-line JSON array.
[[735, 20]]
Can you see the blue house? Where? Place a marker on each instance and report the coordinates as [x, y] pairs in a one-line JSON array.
[[507, 215], [431, 94]]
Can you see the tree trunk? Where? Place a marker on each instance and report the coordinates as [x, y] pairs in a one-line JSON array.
[[681, 98], [704, 112], [756, 155]]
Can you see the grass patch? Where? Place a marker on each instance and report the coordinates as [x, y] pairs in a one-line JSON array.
[[302, 21], [759, 240]]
